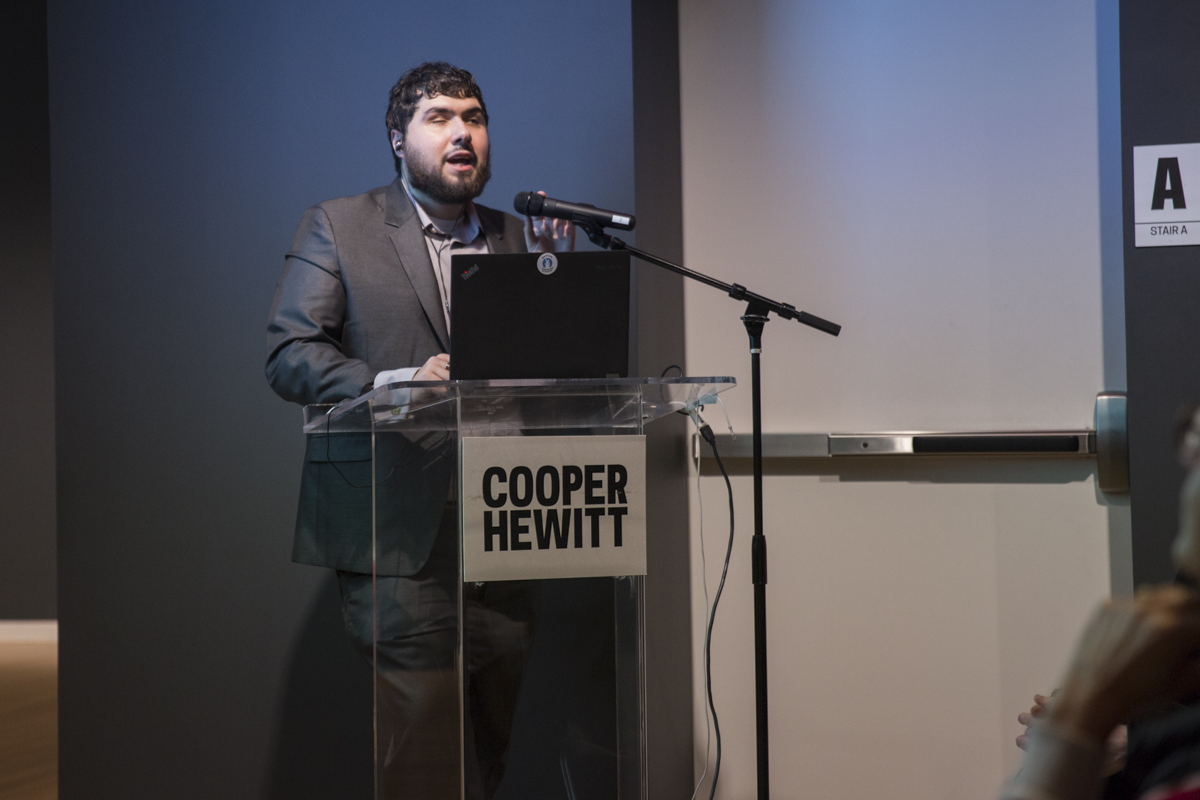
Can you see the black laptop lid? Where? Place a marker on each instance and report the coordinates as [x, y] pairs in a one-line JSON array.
[[538, 315]]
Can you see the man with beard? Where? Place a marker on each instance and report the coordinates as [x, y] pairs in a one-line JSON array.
[[364, 301]]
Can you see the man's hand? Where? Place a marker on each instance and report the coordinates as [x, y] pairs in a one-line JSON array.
[[437, 368], [1133, 654], [546, 235]]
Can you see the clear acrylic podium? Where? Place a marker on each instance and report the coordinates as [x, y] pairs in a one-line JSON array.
[[503, 689]]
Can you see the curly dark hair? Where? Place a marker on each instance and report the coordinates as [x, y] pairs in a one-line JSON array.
[[430, 79]]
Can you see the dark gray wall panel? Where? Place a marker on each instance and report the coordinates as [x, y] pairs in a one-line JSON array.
[[1160, 104], [187, 138], [27, 308], [658, 183]]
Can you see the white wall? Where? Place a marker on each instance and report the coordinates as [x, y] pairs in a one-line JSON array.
[[925, 174]]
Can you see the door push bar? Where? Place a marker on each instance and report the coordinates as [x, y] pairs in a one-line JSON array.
[[1107, 442]]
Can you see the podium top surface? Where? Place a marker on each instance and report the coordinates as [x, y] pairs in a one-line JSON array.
[[510, 405]]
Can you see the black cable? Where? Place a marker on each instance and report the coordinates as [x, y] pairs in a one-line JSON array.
[[671, 367], [707, 433]]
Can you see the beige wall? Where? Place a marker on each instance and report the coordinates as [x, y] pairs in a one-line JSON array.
[[926, 174]]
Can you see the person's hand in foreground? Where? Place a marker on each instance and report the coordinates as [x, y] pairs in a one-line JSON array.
[[1118, 740], [1134, 654], [1036, 712], [546, 235]]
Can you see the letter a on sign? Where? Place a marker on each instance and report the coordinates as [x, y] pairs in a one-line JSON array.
[[1168, 185], [1163, 176]]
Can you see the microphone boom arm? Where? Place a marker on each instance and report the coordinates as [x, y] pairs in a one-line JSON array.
[[758, 304]]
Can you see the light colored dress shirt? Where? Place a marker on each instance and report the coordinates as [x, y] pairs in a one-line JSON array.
[[444, 238]]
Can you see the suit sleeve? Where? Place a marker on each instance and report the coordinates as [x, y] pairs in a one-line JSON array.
[[305, 359]]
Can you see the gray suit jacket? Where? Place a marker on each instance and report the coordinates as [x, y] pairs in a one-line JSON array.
[[358, 296]]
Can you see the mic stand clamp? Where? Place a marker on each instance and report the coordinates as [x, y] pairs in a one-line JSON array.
[[758, 310]]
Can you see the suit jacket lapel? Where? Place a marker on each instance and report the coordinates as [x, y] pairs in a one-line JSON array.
[[492, 224], [409, 242]]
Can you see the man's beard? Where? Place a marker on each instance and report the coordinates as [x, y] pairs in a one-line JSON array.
[[428, 179]]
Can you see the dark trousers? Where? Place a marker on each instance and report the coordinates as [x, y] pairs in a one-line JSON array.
[[419, 715]]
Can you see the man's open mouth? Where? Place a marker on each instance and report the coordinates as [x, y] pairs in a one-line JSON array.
[[462, 160]]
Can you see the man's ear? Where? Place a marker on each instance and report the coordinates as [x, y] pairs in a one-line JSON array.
[[397, 143]]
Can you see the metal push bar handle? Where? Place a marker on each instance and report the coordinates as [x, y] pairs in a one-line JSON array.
[[1108, 443]]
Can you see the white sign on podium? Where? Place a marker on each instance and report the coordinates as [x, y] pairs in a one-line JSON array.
[[553, 507]]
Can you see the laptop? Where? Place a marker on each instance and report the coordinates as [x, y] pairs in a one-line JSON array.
[[539, 315]]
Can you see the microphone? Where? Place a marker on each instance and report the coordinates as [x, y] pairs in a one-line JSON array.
[[532, 204]]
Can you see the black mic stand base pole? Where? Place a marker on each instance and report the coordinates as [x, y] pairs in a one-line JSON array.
[[756, 316], [754, 320]]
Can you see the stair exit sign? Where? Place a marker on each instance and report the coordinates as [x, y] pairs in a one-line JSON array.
[[1166, 195]]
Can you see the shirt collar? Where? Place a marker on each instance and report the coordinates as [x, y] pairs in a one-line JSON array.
[[464, 233]]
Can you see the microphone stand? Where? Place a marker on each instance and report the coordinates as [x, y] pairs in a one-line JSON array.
[[757, 310]]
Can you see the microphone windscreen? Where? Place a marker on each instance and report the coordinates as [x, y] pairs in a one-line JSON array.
[[528, 203]]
